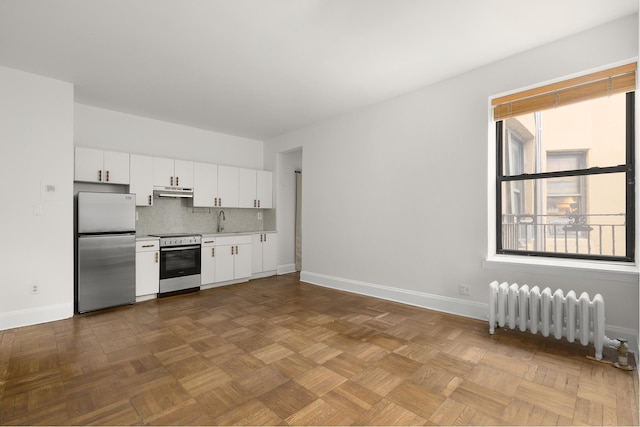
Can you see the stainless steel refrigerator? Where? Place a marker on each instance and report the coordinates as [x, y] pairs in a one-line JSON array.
[[106, 250]]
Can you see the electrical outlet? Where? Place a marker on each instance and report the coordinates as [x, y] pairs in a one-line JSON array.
[[259, 216], [34, 289], [464, 290]]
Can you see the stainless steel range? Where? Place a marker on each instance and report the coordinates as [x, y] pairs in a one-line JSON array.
[[179, 262]]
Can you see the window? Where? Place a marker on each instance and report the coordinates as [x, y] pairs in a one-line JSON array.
[[566, 195], [565, 168]]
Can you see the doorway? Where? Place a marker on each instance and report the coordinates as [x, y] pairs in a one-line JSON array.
[[298, 221], [290, 214]]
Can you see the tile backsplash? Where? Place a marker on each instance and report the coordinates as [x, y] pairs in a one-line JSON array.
[[169, 215]]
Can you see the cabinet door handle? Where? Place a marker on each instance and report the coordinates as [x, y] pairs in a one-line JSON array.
[[261, 238], [171, 181], [231, 250], [213, 252], [258, 203], [149, 199], [219, 201], [177, 180], [265, 237], [236, 250], [100, 175], [156, 257], [107, 176], [148, 246]]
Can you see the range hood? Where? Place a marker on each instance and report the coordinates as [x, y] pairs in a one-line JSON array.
[[172, 191]]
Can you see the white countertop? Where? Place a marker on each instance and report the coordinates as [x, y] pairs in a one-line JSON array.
[[236, 233], [143, 238], [214, 234]]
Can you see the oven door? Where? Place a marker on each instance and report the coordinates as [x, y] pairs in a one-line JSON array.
[[179, 261]]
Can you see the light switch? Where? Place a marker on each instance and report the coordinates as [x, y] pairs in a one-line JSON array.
[[49, 190]]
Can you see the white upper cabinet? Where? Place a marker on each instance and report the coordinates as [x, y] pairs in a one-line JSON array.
[[172, 173], [255, 189], [264, 189], [184, 173], [247, 188], [228, 186], [163, 172], [205, 185], [141, 173], [213, 185], [94, 165], [89, 164]]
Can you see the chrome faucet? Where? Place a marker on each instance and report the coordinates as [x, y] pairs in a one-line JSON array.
[[220, 224]]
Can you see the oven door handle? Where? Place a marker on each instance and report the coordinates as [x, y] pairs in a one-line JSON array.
[[179, 248]]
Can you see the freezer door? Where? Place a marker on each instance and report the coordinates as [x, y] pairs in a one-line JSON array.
[[106, 212], [106, 271]]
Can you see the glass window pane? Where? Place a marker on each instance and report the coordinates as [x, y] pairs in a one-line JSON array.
[[595, 128], [537, 217]]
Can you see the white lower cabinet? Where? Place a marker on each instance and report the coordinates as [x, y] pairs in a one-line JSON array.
[[232, 258], [147, 267], [264, 253], [208, 261]]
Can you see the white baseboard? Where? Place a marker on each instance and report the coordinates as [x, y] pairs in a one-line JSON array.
[[146, 297], [460, 307], [286, 269], [228, 282], [264, 274], [35, 315], [472, 309]]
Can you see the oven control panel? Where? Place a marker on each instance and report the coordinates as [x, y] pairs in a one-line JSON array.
[[180, 241]]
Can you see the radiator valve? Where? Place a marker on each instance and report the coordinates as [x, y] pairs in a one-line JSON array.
[[623, 356]]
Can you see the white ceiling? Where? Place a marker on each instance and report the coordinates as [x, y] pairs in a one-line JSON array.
[[261, 68]]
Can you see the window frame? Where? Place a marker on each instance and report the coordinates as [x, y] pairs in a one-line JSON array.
[[628, 168]]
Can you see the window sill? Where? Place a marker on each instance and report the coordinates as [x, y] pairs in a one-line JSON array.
[[612, 271]]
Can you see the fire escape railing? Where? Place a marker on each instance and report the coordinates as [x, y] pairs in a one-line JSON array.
[[580, 234]]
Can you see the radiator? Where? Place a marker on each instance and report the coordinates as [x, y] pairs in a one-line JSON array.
[[546, 313]]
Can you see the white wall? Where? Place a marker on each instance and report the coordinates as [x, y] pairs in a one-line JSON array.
[[395, 195], [113, 130], [36, 149]]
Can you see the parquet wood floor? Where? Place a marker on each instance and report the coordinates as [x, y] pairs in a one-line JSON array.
[[279, 351]]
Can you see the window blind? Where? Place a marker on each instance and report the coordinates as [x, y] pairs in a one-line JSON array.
[[602, 83]]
